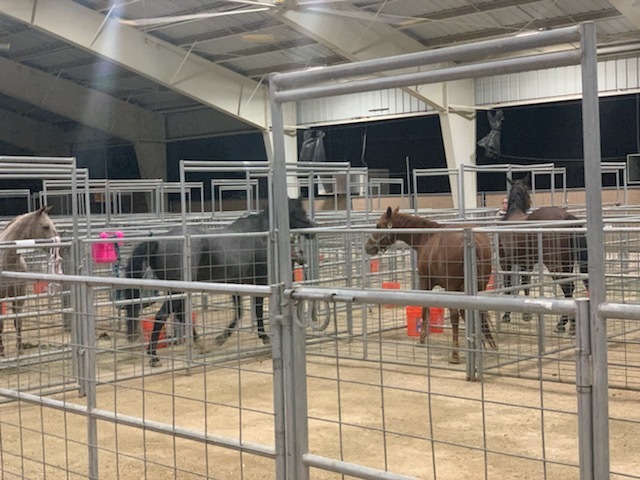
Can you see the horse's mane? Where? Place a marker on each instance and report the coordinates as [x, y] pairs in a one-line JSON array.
[[256, 221], [403, 220], [13, 223]]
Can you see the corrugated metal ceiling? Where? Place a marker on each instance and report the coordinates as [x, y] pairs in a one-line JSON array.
[[255, 43]]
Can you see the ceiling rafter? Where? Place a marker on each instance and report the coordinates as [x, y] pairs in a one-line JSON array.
[[534, 25]]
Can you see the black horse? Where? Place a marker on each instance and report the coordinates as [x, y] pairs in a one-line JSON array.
[[559, 251], [231, 259]]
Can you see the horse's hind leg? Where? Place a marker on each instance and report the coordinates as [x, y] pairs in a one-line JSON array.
[[424, 331], [260, 319], [160, 320], [486, 330], [17, 322], [178, 326], [132, 313], [526, 280], [237, 302], [455, 323], [567, 289], [506, 317]]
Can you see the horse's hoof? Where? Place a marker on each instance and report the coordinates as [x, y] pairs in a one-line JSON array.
[[559, 328], [202, 348], [506, 318], [154, 362], [526, 317], [265, 340], [455, 360], [572, 329]]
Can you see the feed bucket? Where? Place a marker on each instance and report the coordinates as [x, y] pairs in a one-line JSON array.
[[436, 319], [147, 330], [374, 265], [391, 286], [40, 287], [298, 274], [414, 320]]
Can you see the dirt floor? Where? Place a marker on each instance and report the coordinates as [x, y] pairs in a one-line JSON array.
[[378, 415], [375, 399]]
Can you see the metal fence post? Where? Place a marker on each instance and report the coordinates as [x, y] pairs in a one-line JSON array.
[[473, 340], [584, 387], [89, 360]]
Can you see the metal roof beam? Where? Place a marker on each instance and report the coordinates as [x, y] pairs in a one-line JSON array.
[[628, 8], [545, 24], [40, 138], [80, 104], [155, 59]]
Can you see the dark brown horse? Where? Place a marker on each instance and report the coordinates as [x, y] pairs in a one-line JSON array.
[[29, 226], [558, 251], [440, 262]]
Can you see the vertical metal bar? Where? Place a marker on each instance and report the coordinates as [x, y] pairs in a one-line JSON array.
[[540, 253], [87, 316], [293, 335], [414, 178], [470, 315], [584, 389], [461, 205], [595, 246]]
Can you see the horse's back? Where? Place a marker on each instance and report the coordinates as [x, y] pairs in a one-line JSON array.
[[549, 213], [441, 259], [167, 258]]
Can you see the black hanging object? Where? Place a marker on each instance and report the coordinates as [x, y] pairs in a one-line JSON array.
[[491, 142], [312, 149]]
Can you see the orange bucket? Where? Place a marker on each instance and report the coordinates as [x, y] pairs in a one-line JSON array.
[[374, 265], [147, 330], [414, 321], [40, 287], [391, 286], [436, 319], [298, 274]]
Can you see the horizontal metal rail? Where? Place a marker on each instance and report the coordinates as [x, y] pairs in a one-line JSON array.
[[515, 65], [429, 299], [196, 287], [136, 422], [418, 59], [351, 469]]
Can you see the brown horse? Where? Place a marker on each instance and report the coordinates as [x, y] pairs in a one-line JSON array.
[[559, 251], [33, 225], [440, 262]]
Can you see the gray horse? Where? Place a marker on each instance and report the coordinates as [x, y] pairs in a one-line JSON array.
[[231, 259]]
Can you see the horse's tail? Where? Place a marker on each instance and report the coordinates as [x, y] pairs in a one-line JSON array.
[[139, 259], [137, 265], [579, 246]]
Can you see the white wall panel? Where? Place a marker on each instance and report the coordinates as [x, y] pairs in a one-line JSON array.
[[620, 75], [614, 76], [360, 106]]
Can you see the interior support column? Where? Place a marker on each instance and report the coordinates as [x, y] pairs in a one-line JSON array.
[[152, 159], [458, 125], [290, 146]]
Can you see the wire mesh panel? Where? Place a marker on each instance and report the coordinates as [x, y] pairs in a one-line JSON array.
[[199, 414]]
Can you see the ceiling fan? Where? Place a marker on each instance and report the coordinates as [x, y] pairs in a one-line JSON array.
[[253, 6]]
